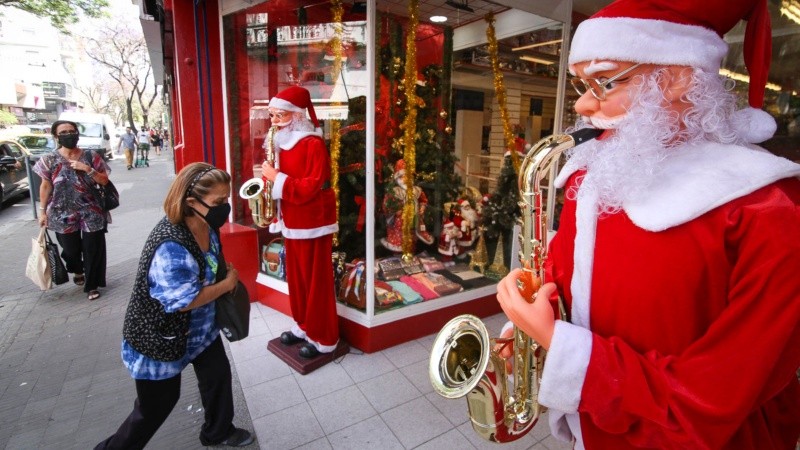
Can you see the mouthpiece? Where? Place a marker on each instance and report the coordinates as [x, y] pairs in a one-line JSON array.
[[585, 134]]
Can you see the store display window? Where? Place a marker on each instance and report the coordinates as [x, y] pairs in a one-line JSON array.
[[423, 136]]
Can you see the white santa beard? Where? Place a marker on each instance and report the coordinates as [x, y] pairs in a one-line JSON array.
[[470, 214], [624, 163], [285, 135]]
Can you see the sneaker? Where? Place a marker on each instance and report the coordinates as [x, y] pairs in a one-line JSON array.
[[239, 438]]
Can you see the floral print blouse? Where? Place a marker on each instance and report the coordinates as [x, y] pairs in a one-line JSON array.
[[73, 205]]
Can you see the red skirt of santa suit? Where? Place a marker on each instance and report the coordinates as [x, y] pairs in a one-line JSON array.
[[311, 296]]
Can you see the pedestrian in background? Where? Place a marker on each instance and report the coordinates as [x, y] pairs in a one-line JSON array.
[[170, 321], [129, 142], [71, 209]]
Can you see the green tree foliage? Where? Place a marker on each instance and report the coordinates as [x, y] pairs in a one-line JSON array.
[[61, 13]]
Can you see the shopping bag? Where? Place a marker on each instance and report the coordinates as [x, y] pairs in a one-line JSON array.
[[38, 269], [58, 271]]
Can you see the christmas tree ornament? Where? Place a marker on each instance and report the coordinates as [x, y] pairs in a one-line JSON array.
[[443, 114], [500, 91], [410, 130]]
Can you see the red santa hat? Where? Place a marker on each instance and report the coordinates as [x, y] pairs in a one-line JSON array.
[[682, 33], [463, 202], [295, 99]]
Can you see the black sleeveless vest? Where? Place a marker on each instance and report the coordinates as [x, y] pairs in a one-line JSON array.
[[148, 328]]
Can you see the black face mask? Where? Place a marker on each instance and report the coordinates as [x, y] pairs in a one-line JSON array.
[[68, 140], [216, 215]]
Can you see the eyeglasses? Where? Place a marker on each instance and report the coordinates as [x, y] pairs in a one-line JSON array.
[[67, 133], [278, 116], [599, 87]]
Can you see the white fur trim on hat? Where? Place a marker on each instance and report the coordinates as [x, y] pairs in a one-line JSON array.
[[647, 41], [753, 125], [280, 103]]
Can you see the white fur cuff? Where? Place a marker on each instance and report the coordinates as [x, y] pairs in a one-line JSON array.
[[565, 367]]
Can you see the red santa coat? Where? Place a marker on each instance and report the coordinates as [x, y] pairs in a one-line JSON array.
[[306, 209], [685, 309], [307, 219]]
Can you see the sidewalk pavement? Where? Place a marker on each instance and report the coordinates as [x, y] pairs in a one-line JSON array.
[[63, 385]]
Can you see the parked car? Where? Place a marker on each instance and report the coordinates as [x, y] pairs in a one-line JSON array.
[[37, 144], [13, 174]]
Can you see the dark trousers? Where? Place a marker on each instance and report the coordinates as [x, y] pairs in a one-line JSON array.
[[156, 399], [85, 252]]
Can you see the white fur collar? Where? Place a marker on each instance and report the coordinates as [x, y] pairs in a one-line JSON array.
[[296, 136], [697, 179]]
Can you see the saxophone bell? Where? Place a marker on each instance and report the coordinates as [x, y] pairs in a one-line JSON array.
[[465, 362], [253, 191]]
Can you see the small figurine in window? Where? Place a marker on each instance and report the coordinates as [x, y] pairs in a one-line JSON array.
[[393, 203]]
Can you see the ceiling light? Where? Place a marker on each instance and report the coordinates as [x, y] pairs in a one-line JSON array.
[[746, 79], [438, 19], [538, 44], [464, 6], [537, 60]]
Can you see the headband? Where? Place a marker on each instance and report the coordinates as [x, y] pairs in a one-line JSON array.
[[195, 180]]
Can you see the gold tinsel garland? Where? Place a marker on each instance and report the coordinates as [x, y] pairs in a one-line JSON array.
[[500, 92], [337, 11], [410, 128]]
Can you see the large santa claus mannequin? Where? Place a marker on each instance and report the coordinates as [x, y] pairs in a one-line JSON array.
[[677, 250], [306, 218]]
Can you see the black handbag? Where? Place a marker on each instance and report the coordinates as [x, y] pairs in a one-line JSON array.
[[58, 271], [233, 313], [232, 308], [107, 195]]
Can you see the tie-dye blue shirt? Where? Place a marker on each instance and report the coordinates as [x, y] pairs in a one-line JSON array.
[[173, 280]]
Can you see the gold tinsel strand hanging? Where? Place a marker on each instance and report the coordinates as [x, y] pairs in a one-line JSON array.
[[337, 11], [500, 92], [410, 128]]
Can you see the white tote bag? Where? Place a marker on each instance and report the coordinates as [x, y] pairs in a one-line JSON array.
[[38, 269]]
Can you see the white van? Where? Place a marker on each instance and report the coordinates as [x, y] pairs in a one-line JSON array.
[[95, 131]]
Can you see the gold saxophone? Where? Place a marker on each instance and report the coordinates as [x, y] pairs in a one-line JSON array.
[[258, 191], [465, 362]]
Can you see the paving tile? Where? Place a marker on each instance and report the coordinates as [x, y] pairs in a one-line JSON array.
[[416, 422], [451, 439], [363, 366], [274, 395], [250, 347], [319, 444], [406, 353], [455, 409], [341, 409], [328, 378], [260, 369], [288, 428], [369, 434], [417, 373], [389, 390]]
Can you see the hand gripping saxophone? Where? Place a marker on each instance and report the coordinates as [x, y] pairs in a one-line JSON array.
[[465, 362], [258, 191]]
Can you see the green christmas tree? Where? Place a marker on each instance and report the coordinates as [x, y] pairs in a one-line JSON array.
[[502, 210]]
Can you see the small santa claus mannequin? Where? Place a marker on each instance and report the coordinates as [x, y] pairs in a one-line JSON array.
[[448, 239], [393, 204], [468, 224]]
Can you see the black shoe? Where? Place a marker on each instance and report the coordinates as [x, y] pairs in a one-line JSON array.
[[288, 338], [129, 167], [308, 351], [239, 438]]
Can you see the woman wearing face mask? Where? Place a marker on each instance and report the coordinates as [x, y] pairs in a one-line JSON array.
[[70, 207], [170, 318]]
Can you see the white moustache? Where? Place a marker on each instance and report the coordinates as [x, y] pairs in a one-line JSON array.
[[606, 124]]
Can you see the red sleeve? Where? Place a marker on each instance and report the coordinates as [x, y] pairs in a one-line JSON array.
[[317, 170], [749, 354]]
